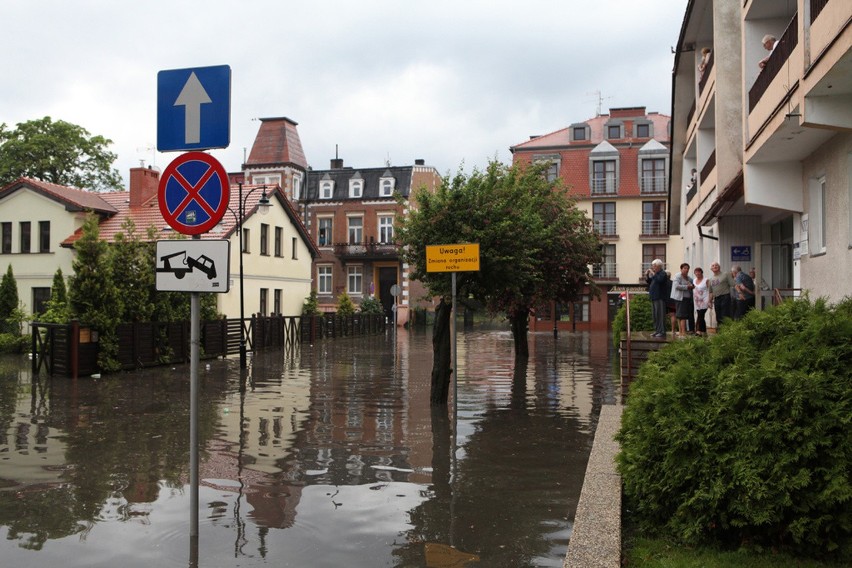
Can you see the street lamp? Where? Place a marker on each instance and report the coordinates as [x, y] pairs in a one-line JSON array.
[[263, 205]]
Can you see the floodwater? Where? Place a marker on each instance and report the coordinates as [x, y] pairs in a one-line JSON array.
[[330, 457]]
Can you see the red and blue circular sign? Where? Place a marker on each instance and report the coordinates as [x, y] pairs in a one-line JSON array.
[[194, 193]]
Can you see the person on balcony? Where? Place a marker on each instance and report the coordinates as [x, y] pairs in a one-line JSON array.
[[705, 59], [769, 44]]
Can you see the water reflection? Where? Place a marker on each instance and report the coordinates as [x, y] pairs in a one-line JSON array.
[[329, 457]]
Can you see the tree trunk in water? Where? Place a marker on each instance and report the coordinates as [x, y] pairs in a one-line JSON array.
[[520, 323], [441, 355]]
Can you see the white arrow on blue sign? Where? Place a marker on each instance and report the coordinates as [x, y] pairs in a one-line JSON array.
[[194, 108]]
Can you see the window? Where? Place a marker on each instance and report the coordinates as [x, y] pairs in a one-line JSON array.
[[553, 169], [613, 131], [654, 175], [324, 279], [355, 278], [40, 299], [7, 238], [269, 179], [25, 236], [279, 232], [387, 185], [295, 248], [579, 133], [324, 233], [386, 228], [276, 301], [264, 239], [297, 188], [603, 215], [643, 130], [650, 252], [356, 230], [603, 177], [44, 236], [326, 189], [246, 240], [653, 218], [581, 308], [356, 187], [816, 218], [607, 267], [264, 298]]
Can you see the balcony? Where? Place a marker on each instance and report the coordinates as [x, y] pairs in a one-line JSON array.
[[605, 271], [606, 227], [775, 63], [366, 251], [654, 228], [654, 185], [604, 186]]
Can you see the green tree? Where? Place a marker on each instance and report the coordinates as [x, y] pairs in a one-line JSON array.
[[133, 274], [57, 309], [94, 298], [371, 305], [57, 152], [534, 244], [345, 305], [8, 300], [311, 305]]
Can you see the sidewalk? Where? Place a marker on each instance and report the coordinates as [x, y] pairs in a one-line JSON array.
[[596, 538]]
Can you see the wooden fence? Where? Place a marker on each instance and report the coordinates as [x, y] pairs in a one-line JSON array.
[[72, 349]]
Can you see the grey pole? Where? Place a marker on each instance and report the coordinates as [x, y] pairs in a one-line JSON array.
[[194, 342]]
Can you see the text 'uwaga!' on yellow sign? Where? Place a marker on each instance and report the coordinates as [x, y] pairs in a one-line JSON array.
[[452, 258]]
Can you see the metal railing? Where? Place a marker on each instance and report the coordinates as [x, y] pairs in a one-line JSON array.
[[604, 186], [605, 270], [653, 227], [653, 184], [606, 227]]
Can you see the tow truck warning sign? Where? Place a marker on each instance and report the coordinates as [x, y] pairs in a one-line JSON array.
[[452, 258], [193, 266]]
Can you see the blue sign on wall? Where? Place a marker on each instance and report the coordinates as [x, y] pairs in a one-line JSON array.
[[741, 253], [194, 108]]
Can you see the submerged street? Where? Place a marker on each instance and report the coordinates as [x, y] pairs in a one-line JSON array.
[[330, 456]]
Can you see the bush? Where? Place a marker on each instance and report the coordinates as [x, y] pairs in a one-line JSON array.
[[345, 306], [371, 305], [311, 305], [641, 318], [743, 440], [14, 343]]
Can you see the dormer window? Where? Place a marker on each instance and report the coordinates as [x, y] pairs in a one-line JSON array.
[[643, 129], [614, 131], [387, 184], [326, 188], [580, 132], [356, 186]]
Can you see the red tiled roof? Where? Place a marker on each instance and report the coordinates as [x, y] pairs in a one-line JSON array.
[[277, 142], [596, 126], [74, 199]]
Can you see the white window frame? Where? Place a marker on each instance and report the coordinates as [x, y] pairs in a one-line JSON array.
[[385, 227], [356, 188], [354, 280], [326, 189], [329, 240], [387, 186], [325, 273], [353, 230], [297, 187], [266, 179]]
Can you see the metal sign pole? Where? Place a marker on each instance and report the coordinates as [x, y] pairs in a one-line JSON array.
[[455, 367], [194, 341]]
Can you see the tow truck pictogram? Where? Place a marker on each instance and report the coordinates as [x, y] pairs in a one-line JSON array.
[[187, 264]]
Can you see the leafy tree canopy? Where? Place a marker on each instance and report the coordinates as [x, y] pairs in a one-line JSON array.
[[57, 152], [534, 244]]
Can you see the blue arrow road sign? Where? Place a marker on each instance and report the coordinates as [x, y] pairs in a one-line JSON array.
[[194, 108]]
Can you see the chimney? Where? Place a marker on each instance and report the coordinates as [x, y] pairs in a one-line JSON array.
[[337, 163], [419, 162], [144, 183]]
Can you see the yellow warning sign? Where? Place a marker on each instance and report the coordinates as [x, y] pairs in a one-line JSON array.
[[452, 258]]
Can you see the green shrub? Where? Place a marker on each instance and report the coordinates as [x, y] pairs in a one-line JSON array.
[[371, 305], [744, 440], [311, 305], [641, 318], [14, 343], [345, 306]]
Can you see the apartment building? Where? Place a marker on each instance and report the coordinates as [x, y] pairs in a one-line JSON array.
[[616, 166], [766, 125]]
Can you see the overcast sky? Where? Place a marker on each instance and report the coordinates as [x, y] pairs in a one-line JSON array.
[[451, 82]]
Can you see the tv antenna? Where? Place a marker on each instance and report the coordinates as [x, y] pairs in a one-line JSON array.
[[598, 101]]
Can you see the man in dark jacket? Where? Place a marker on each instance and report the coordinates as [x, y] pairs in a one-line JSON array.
[[656, 279]]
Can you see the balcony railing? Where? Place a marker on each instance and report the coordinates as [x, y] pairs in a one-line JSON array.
[[653, 184], [653, 227], [691, 191], [646, 266], [776, 61], [605, 270], [703, 80], [604, 186], [708, 166], [816, 8], [606, 227], [366, 250]]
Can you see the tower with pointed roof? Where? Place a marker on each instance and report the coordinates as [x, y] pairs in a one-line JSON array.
[[277, 157]]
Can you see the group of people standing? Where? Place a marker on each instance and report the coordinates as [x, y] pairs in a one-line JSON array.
[[730, 295]]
